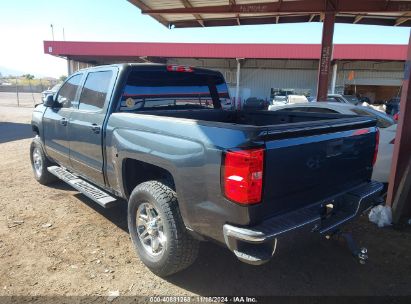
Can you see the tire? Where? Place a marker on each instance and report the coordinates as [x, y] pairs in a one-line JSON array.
[[175, 249], [40, 162]]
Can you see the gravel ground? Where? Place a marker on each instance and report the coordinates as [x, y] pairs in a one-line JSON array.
[[55, 241]]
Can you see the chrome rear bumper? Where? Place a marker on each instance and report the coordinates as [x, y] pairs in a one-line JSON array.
[[257, 244]]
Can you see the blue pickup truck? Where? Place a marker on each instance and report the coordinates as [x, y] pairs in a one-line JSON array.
[[162, 139]]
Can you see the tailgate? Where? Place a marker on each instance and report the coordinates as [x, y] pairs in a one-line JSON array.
[[305, 165]]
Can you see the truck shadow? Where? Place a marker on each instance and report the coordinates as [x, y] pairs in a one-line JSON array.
[[307, 267], [310, 267], [10, 131], [60, 185], [117, 214]]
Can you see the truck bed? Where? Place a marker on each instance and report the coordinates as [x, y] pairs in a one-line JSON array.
[[251, 118], [308, 156]]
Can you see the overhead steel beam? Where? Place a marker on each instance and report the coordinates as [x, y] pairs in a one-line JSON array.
[[402, 19], [358, 18], [402, 146], [277, 18], [311, 18], [299, 6], [237, 16], [143, 6], [326, 56], [198, 17]]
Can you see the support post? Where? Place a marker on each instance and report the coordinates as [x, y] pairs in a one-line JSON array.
[[402, 146], [69, 67], [326, 56], [334, 77], [237, 87]]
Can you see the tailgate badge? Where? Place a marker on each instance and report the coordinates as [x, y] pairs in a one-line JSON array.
[[314, 162]]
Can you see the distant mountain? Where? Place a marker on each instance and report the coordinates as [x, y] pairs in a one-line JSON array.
[[7, 72]]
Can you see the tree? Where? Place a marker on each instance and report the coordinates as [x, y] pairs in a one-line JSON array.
[[62, 78], [28, 76]]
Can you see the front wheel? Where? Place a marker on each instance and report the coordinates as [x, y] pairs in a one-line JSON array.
[[40, 162], [157, 229]]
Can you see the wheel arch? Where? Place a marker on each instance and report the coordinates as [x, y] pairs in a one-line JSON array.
[[135, 172]]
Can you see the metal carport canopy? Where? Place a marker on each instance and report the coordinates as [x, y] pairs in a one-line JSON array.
[[203, 13]]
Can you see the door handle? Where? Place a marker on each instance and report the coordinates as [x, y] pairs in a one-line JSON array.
[[95, 128], [63, 121]]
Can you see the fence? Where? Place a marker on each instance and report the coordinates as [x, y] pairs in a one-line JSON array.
[[24, 88], [26, 95], [22, 99]]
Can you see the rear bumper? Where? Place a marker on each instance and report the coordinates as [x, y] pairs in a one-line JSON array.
[[257, 244]]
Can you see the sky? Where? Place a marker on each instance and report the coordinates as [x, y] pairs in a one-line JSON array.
[[25, 24]]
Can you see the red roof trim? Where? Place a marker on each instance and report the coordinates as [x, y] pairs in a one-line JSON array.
[[219, 50]]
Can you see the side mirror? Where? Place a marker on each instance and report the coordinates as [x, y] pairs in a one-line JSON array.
[[49, 101]]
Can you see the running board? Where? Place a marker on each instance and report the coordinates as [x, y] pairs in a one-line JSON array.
[[89, 190]]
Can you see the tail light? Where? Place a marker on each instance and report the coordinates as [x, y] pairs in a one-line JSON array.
[[377, 142], [179, 68], [242, 175]]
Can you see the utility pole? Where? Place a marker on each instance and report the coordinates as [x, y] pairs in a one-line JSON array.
[[52, 31], [17, 93], [64, 36], [32, 95]]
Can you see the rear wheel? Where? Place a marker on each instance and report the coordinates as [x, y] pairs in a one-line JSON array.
[[40, 162], [157, 229]]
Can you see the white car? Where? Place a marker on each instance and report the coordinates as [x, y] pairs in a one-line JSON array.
[[337, 98], [382, 167], [385, 123], [51, 91], [296, 99], [350, 99]]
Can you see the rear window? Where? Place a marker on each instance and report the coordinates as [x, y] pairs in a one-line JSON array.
[[150, 90]]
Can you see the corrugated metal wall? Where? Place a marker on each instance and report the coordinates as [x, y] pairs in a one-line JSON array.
[[259, 76], [260, 81], [370, 73]]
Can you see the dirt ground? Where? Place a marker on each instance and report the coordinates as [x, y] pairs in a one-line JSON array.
[[55, 241]]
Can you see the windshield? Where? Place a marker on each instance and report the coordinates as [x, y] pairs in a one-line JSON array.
[[150, 90]]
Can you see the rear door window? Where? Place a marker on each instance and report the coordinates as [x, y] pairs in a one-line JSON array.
[[94, 93], [150, 90]]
